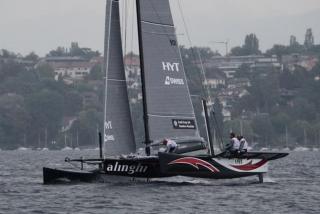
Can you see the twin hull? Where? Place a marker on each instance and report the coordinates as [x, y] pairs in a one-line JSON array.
[[167, 165]]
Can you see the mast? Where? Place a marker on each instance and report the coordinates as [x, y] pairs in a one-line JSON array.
[[144, 101], [46, 138], [39, 140], [287, 137], [77, 139], [205, 108], [65, 140]]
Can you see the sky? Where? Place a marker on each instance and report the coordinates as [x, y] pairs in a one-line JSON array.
[[43, 25]]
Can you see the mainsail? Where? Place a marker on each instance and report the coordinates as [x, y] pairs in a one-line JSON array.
[[118, 130], [168, 107]]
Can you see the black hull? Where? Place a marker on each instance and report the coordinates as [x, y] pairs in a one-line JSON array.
[[144, 167], [53, 176], [218, 167], [167, 165]]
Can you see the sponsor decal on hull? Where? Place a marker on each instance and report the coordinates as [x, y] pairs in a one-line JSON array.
[[244, 165], [130, 169], [195, 162], [249, 166]]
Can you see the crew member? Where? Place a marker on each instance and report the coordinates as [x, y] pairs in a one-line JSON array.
[[243, 144], [171, 145], [233, 146]]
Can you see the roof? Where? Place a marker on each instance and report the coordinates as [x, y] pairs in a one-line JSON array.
[[215, 74], [56, 65]]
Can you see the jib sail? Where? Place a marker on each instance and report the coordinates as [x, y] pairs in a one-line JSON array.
[[118, 130]]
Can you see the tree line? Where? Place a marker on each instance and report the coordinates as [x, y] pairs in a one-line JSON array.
[[34, 106]]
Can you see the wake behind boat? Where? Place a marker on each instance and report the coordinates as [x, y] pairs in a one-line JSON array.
[[168, 112]]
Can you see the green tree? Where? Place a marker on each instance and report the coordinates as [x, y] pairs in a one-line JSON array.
[[95, 73], [58, 52], [251, 44], [302, 132], [86, 126], [72, 103], [13, 120], [250, 47], [45, 71], [46, 110], [32, 56], [237, 51], [263, 129]]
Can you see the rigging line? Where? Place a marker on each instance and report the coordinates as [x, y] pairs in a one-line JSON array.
[[125, 26], [218, 129], [121, 16], [132, 25], [193, 50], [202, 70]]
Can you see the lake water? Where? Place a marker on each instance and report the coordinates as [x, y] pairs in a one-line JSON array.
[[292, 186]]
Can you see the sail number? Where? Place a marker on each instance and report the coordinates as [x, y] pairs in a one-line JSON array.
[[173, 42], [238, 161]]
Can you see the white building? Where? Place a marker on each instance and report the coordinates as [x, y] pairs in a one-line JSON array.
[[73, 70]]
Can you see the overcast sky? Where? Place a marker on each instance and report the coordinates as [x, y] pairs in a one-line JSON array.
[[42, 25]]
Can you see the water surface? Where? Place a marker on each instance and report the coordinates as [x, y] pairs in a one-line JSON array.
[[292, 186]]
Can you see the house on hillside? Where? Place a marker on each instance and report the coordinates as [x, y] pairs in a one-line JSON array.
[[231, 64], [293, 61], [239, 83], [70, 69], [215, 79], [133, 72]]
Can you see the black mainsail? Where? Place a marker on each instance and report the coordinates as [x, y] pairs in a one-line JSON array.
[[168, 108], [118, 130]]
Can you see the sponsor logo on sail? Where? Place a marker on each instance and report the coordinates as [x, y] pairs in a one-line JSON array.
[[171, 66], [109, 138], [108, 125], [130, 169], [173, 81], [183, 124]]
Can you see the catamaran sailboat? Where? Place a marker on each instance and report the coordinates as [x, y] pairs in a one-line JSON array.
[[167, 108]]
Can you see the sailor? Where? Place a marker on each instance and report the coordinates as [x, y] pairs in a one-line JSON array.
[[243, 148], [233, 146], [171, 145]]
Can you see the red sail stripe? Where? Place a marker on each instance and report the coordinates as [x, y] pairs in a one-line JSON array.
[[249, 166], [195, 162]]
